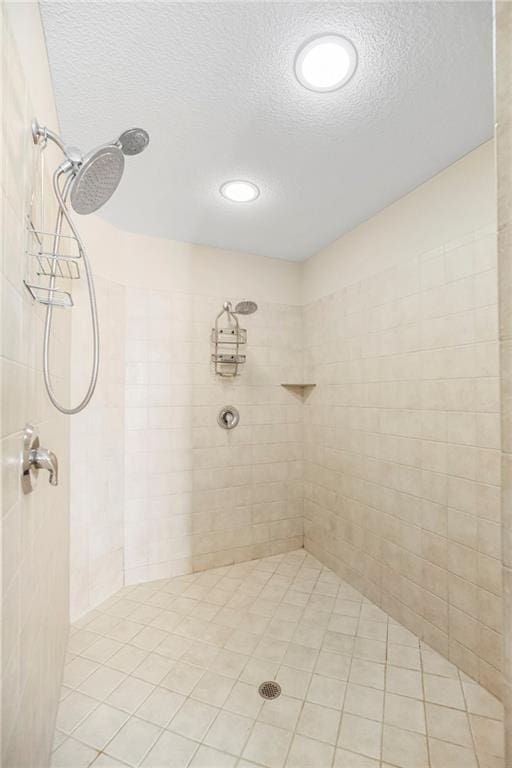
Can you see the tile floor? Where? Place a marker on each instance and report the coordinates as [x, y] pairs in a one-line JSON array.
[[165, 675]]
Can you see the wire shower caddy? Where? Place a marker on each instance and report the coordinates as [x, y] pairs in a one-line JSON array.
[[51, 255], [228, 340]]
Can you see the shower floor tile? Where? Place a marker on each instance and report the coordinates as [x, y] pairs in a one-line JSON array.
[[166, 675]]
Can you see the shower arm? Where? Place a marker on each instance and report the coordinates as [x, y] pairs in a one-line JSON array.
[[38, 133], [64, 214], [41, 135]]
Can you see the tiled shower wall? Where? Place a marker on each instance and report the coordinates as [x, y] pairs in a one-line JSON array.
[[97, 444], [201, 496], [34, 528], [503, 22], [158, 488], [402, 469]]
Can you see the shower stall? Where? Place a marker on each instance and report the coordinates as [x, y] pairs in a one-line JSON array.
[[265, 522]]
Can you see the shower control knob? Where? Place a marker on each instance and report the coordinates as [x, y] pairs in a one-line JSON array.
[[35, 458], [228, 417]]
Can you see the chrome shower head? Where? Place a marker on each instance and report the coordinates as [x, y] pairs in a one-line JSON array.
[[245, 308], [97, 179], [97, 175], [133, 141]]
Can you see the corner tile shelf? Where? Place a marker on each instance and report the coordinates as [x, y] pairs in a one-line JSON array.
[[301, 390]]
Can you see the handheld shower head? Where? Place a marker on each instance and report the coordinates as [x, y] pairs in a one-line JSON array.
[[97, 176], [97, 179], [133, 141], [89, 181]]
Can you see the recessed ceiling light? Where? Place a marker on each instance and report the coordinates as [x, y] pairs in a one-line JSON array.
[[325, 63], [239, 191]]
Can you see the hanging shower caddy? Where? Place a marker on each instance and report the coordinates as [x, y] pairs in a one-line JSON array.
[[51, 264], [228, 341], [51, 255]]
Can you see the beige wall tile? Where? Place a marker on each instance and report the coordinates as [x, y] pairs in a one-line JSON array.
[[503, 32], [185, 495], [402, 431], [34, 529]]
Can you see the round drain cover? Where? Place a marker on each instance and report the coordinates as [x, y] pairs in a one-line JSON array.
[[269, 690]]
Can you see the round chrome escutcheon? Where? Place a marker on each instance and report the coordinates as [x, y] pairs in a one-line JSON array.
[[228, 417]]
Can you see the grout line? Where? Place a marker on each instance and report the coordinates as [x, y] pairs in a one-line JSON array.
[[294, 731], [342, 714], [424, 703], [385, 694], [468, 721]]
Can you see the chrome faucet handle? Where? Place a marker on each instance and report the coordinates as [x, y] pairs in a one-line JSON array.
[[35, 458], [42, 458]]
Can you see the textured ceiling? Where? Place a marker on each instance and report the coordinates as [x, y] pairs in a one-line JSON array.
[[213, 84]]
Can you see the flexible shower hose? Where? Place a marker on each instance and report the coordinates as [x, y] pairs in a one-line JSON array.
[[64, 214]]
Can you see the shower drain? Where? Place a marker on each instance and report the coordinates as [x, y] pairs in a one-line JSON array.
[[269, 690]]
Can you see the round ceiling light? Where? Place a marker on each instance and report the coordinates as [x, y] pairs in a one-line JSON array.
[[239, 191], [325, 63]]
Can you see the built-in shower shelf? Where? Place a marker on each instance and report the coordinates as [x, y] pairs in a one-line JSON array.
[[301, 390]]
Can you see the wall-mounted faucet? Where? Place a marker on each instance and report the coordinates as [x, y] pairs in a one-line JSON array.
[[36, 458], [42, 458]]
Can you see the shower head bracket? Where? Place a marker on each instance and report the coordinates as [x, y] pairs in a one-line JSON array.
[[38, 133]]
